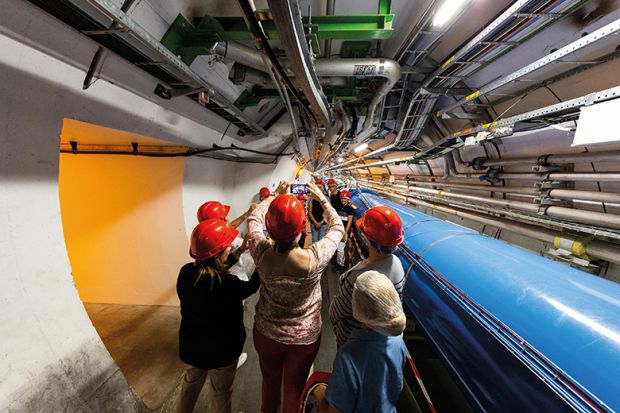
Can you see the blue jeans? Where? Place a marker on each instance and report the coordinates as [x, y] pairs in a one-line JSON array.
[[318, 233]]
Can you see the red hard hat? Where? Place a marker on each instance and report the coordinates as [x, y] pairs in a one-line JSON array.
[[264, 192], [331, 181], [319, 181], [301, 197], [211, 237], [345, 194], [285, 219], [382, 225], [212, 210]]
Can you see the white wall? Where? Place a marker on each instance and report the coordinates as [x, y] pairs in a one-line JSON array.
[[51, 356], [234, 184]]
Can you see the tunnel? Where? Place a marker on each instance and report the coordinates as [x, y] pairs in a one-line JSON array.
[[489, 127]]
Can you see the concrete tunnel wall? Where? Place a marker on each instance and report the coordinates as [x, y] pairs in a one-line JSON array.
[[50, 354]]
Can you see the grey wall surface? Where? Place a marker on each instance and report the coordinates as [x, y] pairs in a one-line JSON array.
[[51, 357]]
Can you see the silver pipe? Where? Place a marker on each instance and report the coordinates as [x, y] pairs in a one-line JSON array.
[[367, 67], [585, 195], [503, 203], [586, 217], [360, 68], [240, 53], [567, 194], [594, 249], [583, 157], [561, 176]]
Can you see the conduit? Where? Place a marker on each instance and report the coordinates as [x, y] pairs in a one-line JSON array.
[[360, 68], [585, 157], [581, 247], [565, 194]]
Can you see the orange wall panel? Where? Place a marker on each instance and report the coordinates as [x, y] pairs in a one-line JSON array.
[[124, 227]]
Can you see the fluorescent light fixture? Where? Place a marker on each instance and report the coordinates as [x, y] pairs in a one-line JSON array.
[[446, 11], [360, 148], [341, 159]]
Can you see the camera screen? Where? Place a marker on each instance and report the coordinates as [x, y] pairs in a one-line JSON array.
[[299, 189]]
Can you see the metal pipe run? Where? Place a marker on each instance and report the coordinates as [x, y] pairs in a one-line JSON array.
[[570, 214], [584, 157], [564, 176], [359, 68], [594, 249]]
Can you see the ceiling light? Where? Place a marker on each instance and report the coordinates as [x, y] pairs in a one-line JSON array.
[[341, 159], [360, 148], [446, 11]]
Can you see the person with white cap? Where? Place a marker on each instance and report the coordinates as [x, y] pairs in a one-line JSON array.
[[368, 370]]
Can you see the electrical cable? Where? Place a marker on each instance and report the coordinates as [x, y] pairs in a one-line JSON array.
[[259, 35], [191, 152]]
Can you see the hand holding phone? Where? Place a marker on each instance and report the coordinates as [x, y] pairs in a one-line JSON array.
[[297, 189]]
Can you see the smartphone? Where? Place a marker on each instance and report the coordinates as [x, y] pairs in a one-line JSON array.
[[297, 189]]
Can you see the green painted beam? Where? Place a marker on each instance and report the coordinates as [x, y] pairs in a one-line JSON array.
[[188, 41]]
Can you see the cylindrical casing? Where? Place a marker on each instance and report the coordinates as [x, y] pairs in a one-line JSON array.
[[585, 195], [558, 159], [585, 217]]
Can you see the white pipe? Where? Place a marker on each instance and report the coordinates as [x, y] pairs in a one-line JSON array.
[[592, 249]]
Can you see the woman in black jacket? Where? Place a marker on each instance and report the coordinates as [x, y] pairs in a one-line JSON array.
[[212, 333]]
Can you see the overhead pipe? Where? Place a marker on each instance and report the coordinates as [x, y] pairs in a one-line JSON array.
[[366, 67], [360, 68]]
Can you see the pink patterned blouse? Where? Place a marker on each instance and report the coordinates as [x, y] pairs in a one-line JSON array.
[[289, 307]]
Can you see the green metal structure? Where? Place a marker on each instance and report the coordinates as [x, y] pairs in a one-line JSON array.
[[188, 40]]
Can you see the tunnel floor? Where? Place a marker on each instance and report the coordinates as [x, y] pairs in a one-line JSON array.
[[143, 341]]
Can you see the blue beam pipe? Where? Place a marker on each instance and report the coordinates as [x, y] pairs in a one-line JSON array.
[[518, 332]]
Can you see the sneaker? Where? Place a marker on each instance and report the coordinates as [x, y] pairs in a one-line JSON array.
[[242, 358]]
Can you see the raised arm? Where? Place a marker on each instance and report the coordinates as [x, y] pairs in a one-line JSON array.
[[239, 220], [325, 248]]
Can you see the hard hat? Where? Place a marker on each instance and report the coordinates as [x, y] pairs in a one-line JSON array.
[[210, 238], [345, 194], [319, 181], [382, 225], [212, 210], [331, 181], [264, 192], [285, 219], [301, 197]]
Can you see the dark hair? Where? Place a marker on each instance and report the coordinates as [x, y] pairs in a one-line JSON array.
[[382, 248], [212, 268], [281, 247]]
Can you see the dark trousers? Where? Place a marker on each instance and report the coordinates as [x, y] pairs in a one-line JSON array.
[[286, 367]]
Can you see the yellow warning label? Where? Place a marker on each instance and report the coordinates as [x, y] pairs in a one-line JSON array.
[[473, 95], [447, 62], [439, 192], [457, 133]]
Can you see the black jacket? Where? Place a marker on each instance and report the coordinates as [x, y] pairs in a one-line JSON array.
[[212, 331]]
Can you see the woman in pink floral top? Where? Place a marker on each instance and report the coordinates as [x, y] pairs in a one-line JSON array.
[[287, 325]]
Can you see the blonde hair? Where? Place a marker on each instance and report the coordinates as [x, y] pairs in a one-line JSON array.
[[212, 268], [376, 304]]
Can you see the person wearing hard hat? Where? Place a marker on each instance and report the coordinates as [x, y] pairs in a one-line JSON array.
[[318, 226], [383, 229], [334, 196], [287, 325], [367, 373], [217, 210], [212, 333], [263, 194]]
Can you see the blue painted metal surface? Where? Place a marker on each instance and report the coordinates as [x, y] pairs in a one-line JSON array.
[[518, 331]]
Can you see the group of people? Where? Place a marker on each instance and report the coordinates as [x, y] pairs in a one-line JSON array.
[[367, 312]]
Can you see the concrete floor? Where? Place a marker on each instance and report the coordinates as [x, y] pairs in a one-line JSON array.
[[143, 341]]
